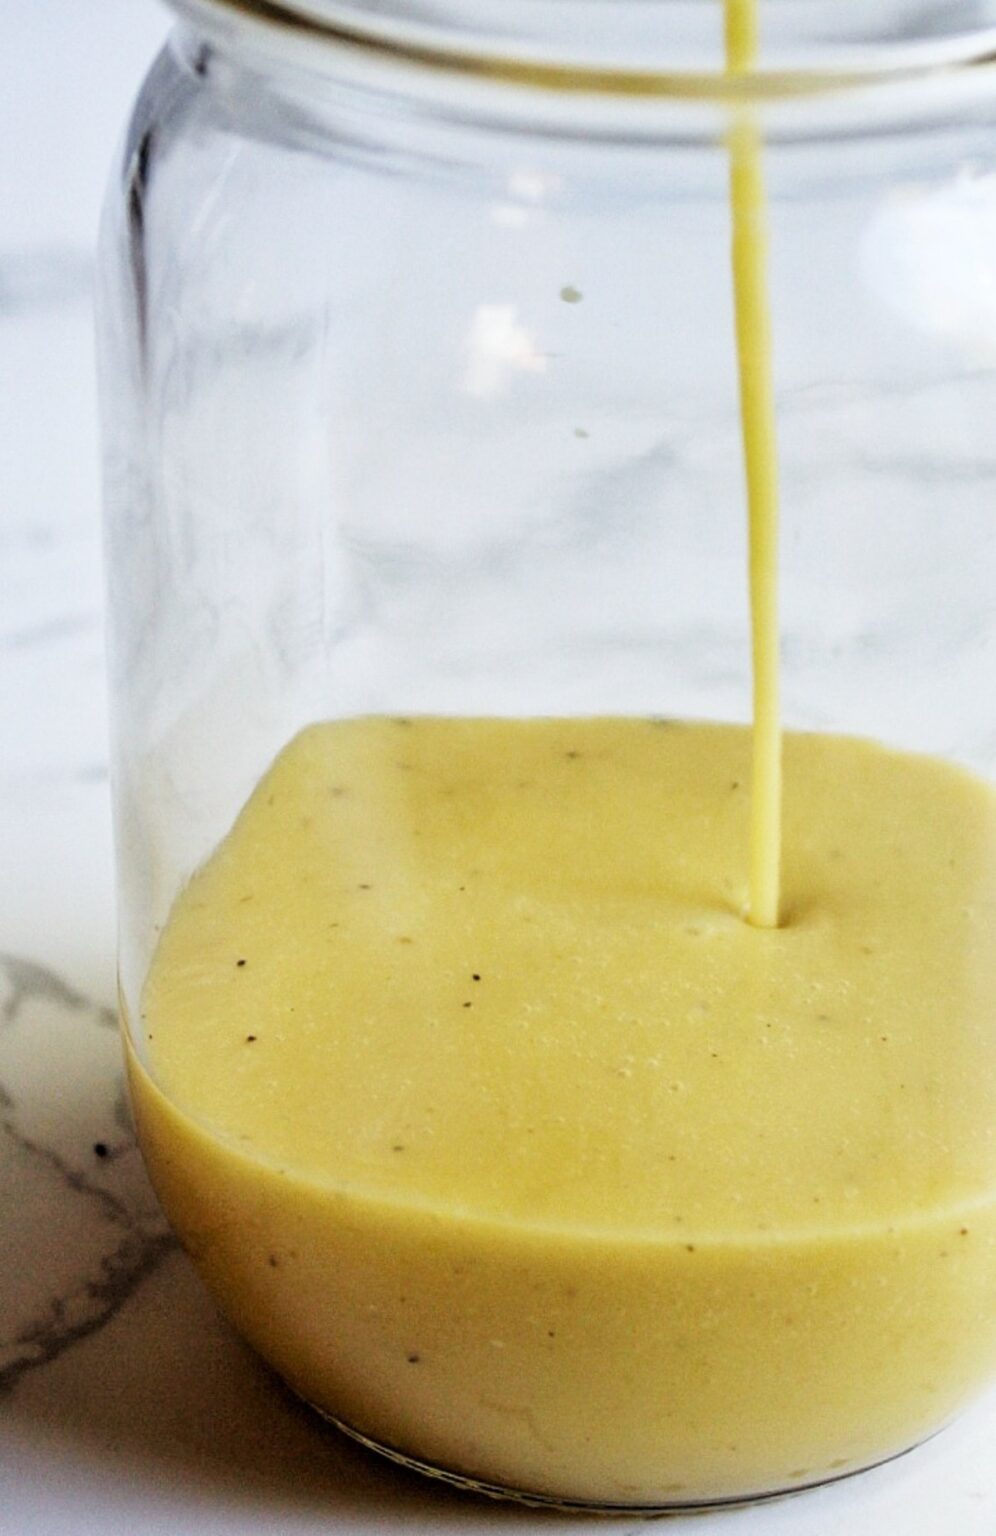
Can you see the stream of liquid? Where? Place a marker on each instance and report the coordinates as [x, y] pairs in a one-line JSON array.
[[760, 448]]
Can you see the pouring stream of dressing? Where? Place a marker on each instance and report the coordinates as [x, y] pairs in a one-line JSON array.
[[757, 416]]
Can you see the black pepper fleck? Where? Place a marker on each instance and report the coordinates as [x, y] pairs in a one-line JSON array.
[[250, 1039], [100, 1149], [475, 976], [414, 1359], [466, 1005], [240, 962]]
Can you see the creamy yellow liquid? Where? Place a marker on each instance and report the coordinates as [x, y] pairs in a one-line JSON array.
[[755, 371], [503, 1136]]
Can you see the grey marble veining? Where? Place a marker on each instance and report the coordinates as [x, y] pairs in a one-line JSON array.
[[73, 1165]]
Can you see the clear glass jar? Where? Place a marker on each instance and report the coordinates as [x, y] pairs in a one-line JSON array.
[[421, 416]]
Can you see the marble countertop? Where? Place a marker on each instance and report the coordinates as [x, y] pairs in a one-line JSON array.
[[127, 1406]]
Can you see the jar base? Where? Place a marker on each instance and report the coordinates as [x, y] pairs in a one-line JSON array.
[[464, 1483]]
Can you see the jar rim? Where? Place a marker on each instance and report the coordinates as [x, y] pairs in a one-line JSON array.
[[634, 47]]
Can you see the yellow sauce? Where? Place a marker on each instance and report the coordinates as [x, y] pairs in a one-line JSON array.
[[497, 1130]]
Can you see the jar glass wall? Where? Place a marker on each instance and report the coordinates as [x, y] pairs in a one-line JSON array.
[[422, 421]]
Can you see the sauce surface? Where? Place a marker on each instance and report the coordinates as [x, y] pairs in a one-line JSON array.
[[497, 1129], [501, 966]]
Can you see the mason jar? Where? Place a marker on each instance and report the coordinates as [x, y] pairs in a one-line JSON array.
[[484, 1114]]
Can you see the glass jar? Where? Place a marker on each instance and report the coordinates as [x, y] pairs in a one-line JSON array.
[[484, 1114]]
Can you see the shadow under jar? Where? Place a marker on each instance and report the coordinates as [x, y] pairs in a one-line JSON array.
[[485, 1112]]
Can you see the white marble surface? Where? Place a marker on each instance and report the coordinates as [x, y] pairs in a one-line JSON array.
[[126, 1406]]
